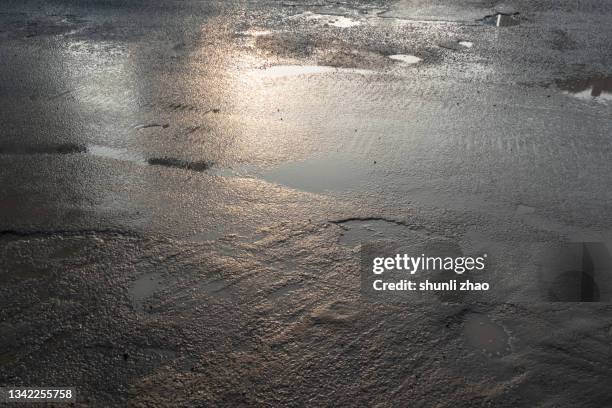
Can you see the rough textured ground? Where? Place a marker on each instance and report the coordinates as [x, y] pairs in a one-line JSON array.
[[185, 185]]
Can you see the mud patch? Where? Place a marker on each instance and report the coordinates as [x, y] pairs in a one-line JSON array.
[[597, 88], [486, 336], [501, 20]]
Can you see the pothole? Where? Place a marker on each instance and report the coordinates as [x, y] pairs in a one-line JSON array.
[[329, 19], [597, 88], [456, 45], [320, 174], [501, 20], [406, 59]]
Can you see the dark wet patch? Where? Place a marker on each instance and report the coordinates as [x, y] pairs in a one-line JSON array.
[[152, 125], [143, 288], [48, 25], [214, 286], [590, 87], [501, 20], [562, 40], [62, 148], [179, 164], [337, 312], [486, 336], [357, 231], [460, 45]]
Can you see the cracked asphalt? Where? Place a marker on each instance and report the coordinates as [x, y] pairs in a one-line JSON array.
[[186, 186]]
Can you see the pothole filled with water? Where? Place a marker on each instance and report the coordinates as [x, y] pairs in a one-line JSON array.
[[598, 88], [320, 174], [405, 58], [501, 20], [329, 19]]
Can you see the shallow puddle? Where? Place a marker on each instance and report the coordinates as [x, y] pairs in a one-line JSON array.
[[595, 88], [279, 71], [114, 153], [360, 231], [329, 19], [501, 20], [143, 288], [407, 59], [256, 33], [320, 174], [486, 336], [60, 148]]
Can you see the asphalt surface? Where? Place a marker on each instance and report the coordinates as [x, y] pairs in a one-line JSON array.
[[185, 186]]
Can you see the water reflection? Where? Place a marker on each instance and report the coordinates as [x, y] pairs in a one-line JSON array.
[[598, 88]]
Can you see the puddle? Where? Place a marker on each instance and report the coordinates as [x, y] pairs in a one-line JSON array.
[[486, 336], [279, 71], [143, 287], [343, 22], [126, 155], [214, 286], [114, 153], [501, 20], [524, 210], [255, 33], [152, 125], [407, 59], [329, 19], [335, 312], [466, 44], [320, 174], [358, 231], [591, 89], [61, 148], [179, 164]]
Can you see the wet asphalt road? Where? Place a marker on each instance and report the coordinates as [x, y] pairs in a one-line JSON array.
[[185, 185]]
